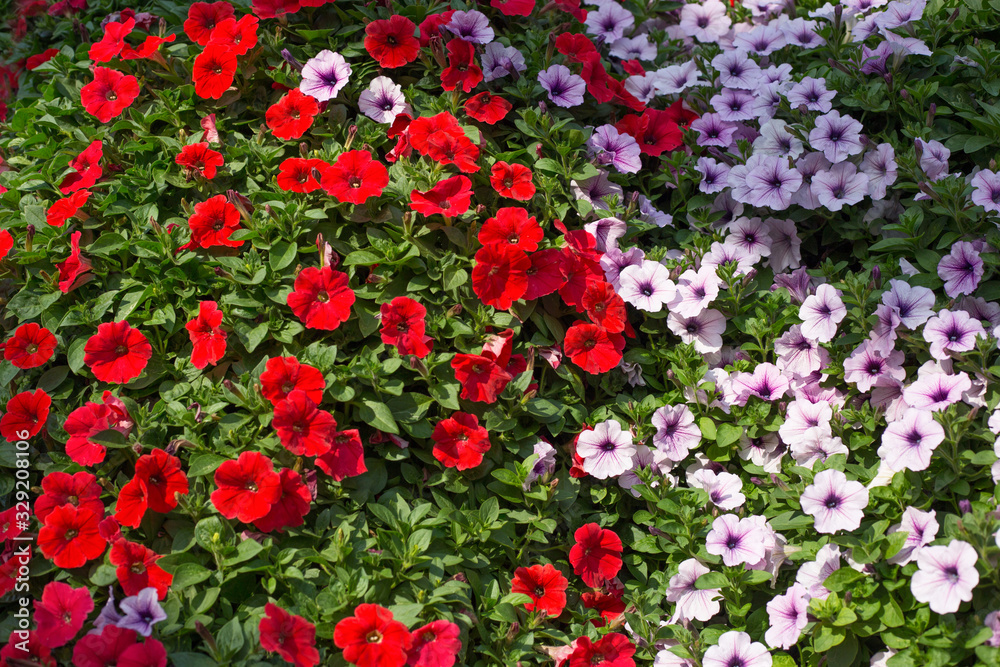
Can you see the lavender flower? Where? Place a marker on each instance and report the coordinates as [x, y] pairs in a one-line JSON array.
[[811, 93], [804, 415], [733, 105], [814, 573], [907, 46], [879, 166], [678, 78], [751, 235], [472, 26], [676, 435], [614, 261], [808, 166], [933, 158], [609, 146], [867, 366], [798, 354], [703, 330], [720, 254], [913, 304], [920, 527], [609, 22], [952, 332], [980, 309], [835, 502], [841, 186], [324, 75], [596, 189], [633, 48], [652, 215], [798, 283], [565, 89], [821, 312], [736, 69], [945, 576], [876, 61], [109, 614], [695, 291], [766, 383], [763, 39], [775, 139], [544, 464], [785, 244], [383, 100], [736, 540], [647, 287], [643, 88], [936, 391], [787, 617], [767, 102], [898, 14], [908, 444], [802, 33], [500, 61], [771, 181], [735, 649], [714, 175], [724, 489], [142, 612], [606, 450], [706, 21], [961, 269], [839, 137], [606, 231], [765, 451], [714, 131], [986, 190], [777, 74]]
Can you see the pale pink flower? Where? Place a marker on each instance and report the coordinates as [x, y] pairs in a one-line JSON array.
[[736, 540], [735, 649], [725, 490], [692, 603], [821, 313], [908, 444], [787, 617], [936, 391], [816, 444], [676, 433], [606, 450], [835, 502], [920, 527], [945, 576], [866, 366], [814, 573], [803, 415]]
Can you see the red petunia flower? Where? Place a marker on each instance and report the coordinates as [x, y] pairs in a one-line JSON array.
[[248, 487], [355, 177], [200, 159], [431, 26], [399, 128], [604, 307], [512, 227], [202, 19], [544, 584], [66, 208], [87, 169], [512, 180], [73, 271], [610, 607], [131, 505], [371, 638], [403, 326], [163, 478], [500, 276], [207, 338], [597, 554], [117, 353], [290, 509], [482, 379], [575, 46], [148, 47], [290, 636], [25, 416], [30, 346], [514, 7], [149, 653], [282, 375], [292, 115], [346, 457], [454, 149], [112, 42], [460, 442], [6, 243], [654, 131], [302, 427], [40, 58], [613, 650], [238, 36], [61, 612], [322, 298], [112, 646], [269, 9], [137, 569], [593, 348], [85, 422], [213, 223], [449, 197], [435, 645], [60, 488], [32, 651], [391, 41], [109, 93], [487, 108], [69, 537], [299, 174], [462, 69], [214, 71]]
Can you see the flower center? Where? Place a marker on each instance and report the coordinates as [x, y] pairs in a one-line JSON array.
[[373, 637], [251, 486], [120, 350], [32, 349], [322, 297], [71, 533]]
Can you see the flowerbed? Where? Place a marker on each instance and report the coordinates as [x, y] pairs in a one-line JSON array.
[[403, 334]]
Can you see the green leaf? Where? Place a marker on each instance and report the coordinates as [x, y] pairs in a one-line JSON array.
[[727, 434], [107, 243], [842, 655], [827, 637], [754, 577], [189, 574], [204, 464], [707, 426], [230, 638], [362, 257], [841, 579], [711, 580], [378, 415], [282, 254]]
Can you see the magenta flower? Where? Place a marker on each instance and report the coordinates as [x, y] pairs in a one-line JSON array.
[[736, 540], [866, 366], [606, 450], [936, 391], [835, 502], [986, 190], [821, 312], [676, 434], [961, 269], [692, 603], [946, 576], [913, 304], [907, 444], [839, 137], [786, 615], [735, 649], [952, 332], [920, 527]]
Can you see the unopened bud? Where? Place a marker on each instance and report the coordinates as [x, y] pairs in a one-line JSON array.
[[352, 132], [303, 149], [453, 311], [155, 225], [242, 204], [290, 59], [197, 412], [876, 277]]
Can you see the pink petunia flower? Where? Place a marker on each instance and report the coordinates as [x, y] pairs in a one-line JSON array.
[[787, 617], [945, 576], [736, 540], [835, 502], [821, 313], [908, 444], [692, 603]]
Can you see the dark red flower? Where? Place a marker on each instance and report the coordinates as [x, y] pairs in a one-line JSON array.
[[40, 58], [302, 427], [322, 298], [487, 108], [29, 346], [435, 645], [597, 554], [544, 584], [679, 114], [300, 175], [282, 375], [199, 158], [482, 379], [238, 36], [112, 42], [633, 67], [610, 607], [214, 70], [149, 653], [462, 69], [355, 177], [431, 26], [203, 17], [64, 209], [207, 337], [613, 650], [346, 457], [500, 275], [70, 538], [31, 652], [61, 612], [247, 487], [87, 169], [593, 348], [514, 7], [460, 442], [290, 509], [292, 115], [137, 569], [60, 488], [269, 9], [290, 636], [73, 270], [117, 353], [26, 414], [604, 307], [163, 479], [109, 93], [575, 46], [391, 41], [371, 638], [512, 180], [512, 227], [449, 197], [106, 649], [403, 326], [213, 223], [654, 131]]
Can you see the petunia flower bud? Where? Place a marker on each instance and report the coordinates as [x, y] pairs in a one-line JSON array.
[[290, 59]]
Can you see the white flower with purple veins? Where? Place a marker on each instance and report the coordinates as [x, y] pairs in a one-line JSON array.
[[647, 286], [695, 291], [633, 48], [867, 366], [750, 234], [677, 78], [906, 46], [952, 332], [706, 21], [608, 146], [765, 451], [811, 93], [814, 573], [324, 75], [383, 100], [835, 502], [713, 130], [544, 465], [142, 612], [898, 14], [913, 304], [839, 137], [980, 309], [472, 26], [652, 215], [643, 88], [733, 105], [735, 649], [961, 269], [920, 527], [821, 313], [565, 89], [704, 330], [816, 444], [609, 22], [693, 604], [772, 181], [720, 254], [936, 391], [676, 434], [725, 490], [596, 189], [643, 458], [713, 175], [766, 103], [802, 33], [879, 166], [933, 158], [736, 540], [614, 261], [776, 140], [500, 61], [762, 40], [986, 190], [945, 576], [606, 451], [606, 232], [787, 617], [841, 186], [785, 244], [736, 69], [798, 354]]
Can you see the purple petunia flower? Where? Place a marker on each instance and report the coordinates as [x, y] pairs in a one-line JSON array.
[[920, 527], [986, 190], [898, 14], [647, 287], [945, 576], [736, 540], [677, 78], [735, 649], [766, 383], [750, 234], [952, 332], [714, 175], [775, 139], [565, 89], [767, 101], [714, 131], [771, 181], [704, 330], [652, 215], [643, 88], [839, 137], [609, 22], [808, 166], [725, 490], [811, 93], [813, 574], [706, 21], [876, 61], [608, 146], [907, 444], [595, 189], [765, 451], [472, 26], [798, 354], [802, 33], [961, 269], [733, 105], [840, 186], [544, 465], [816, 444], [606, 231], [867, 366], [933, 158], [936, 391], [980, 309], [324, 75], [383, 100], [633, 48], [907, 46], [676, 435], [785, 244], [913, 304], [787, 617], [606, 450], [762, 39], [804, 415], [142, 612], [821, 313], [879, 166], [109, 614], [500, 61], [834, 502], [797, 282], [721, 254], [695, 291], [692, 603], [736, 69]]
